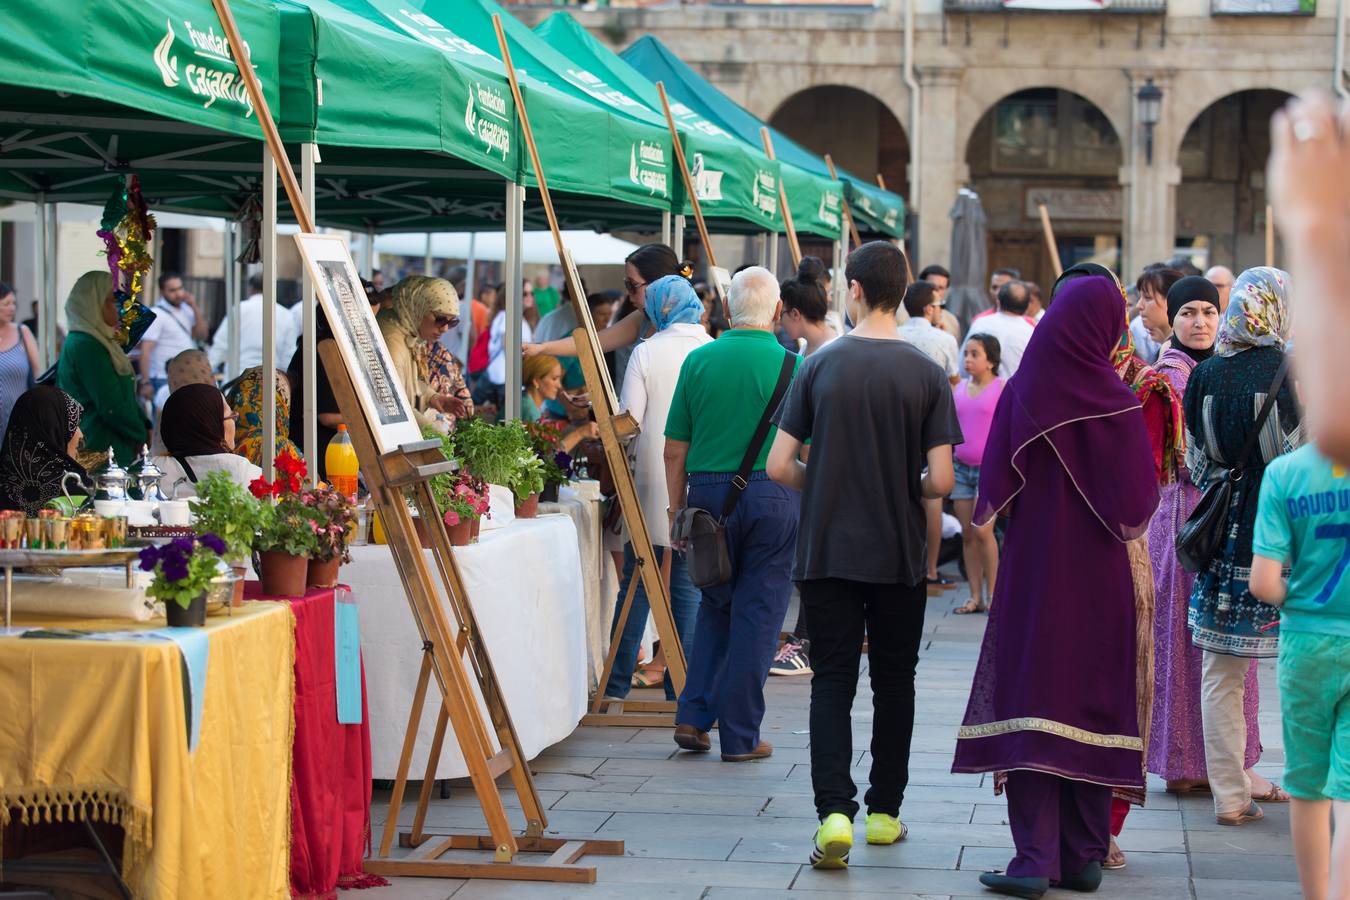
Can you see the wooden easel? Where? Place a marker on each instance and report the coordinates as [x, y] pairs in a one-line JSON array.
[[446, 646], [616, 427], [412, 466]]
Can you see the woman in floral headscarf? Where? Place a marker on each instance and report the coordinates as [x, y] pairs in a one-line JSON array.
[[1223, 399], [245, 396], [421, 310]]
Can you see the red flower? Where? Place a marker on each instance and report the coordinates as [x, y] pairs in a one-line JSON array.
[[260, 488]]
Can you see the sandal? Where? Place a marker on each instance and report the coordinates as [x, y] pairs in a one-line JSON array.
[[1276, 794], [649, 676], [1115, 858], [970, 608], [1253, 813]]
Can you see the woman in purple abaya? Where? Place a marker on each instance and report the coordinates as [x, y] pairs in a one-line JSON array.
[[1059, 700]]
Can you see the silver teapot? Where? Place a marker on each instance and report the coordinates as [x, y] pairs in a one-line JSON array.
[[143, 478], [111, 482]]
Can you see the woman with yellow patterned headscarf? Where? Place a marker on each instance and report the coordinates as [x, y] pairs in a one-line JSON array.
[[245, 396], [421, 310]]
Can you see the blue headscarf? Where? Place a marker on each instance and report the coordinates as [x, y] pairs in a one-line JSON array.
[[672, 299]]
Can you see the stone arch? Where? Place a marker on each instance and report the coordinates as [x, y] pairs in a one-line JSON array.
[[1183, 111], [1109, 92], [857, 128]]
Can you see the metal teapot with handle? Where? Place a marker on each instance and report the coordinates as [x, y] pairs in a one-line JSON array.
[[143, 478], [81, 487], [110, 483]]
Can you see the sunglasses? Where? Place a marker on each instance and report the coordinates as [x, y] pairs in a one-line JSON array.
[[631, 286], [447, 321], [232, 417]]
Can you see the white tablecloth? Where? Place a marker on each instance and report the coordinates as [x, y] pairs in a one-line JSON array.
[[526, 587], [582, 503]]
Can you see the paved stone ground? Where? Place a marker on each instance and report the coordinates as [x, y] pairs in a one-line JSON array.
[[696, 827]]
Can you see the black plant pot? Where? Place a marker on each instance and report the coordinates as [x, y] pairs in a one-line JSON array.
[[194, 616], [550, 493]]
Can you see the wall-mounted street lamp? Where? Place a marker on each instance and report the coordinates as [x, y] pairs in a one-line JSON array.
[[1150, 113]]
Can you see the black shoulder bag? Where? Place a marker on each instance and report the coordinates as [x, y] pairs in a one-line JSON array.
[[1200, 538], [705, 536]]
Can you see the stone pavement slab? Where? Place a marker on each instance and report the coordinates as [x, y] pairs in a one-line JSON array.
[[695, 827]]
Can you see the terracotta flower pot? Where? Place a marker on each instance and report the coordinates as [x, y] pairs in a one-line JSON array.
[[240, 572], [193, 616], [473, 532], [528, 508], [460, 534], [323, 573], [282, 574]]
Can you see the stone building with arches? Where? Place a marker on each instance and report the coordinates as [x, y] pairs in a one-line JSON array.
[[1025, 105]]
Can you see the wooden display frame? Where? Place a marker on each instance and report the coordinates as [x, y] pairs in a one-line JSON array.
[[616, 427]]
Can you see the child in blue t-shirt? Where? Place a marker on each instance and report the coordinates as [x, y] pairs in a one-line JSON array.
[[1304, 520]]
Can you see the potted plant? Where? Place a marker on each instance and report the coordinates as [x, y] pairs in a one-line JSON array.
[[488, 451], [232, 514], [285, 539], [525, 483], [183, 569], [463, 503], [332, 516], [546, 439]]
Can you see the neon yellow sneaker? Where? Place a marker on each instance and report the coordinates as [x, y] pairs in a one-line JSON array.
[[884, 829], [834, 838]]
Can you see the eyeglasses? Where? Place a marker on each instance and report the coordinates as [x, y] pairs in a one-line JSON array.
[[447, 321], [631, 286]]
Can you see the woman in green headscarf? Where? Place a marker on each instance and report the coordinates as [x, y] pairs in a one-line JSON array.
[[421, 310], [95, 371]]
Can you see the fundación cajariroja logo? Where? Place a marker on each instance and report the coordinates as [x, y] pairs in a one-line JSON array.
[[707, 182], [764, 194], [828, 213], [647, 167], [211, 74], [486, 116]]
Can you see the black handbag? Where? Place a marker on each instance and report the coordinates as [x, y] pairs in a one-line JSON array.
[[1199, 539], [704, 535]]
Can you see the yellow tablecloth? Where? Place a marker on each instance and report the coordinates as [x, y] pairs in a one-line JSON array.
[[98, 729]]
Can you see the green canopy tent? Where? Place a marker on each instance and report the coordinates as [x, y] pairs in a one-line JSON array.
[[874, 209], [727, 168]]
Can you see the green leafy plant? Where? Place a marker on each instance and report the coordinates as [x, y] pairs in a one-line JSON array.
[[491, 452], [528, 478], [460, 496], [332, 516], [228, 511], [183, 567], [285, 528], [546, 438]]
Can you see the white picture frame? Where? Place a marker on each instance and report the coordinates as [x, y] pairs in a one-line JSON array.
[[337, 285]]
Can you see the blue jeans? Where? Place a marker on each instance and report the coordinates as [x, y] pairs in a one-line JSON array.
[[738, 622], [684, 599]]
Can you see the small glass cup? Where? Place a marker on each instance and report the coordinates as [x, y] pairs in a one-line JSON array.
[[56, 532], [32, 532], [115, 531]]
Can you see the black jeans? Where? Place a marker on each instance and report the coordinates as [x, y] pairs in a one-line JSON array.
[[837, 612]]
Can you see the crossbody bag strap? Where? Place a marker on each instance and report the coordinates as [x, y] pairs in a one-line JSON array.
[[1264, 414], [742, 477]]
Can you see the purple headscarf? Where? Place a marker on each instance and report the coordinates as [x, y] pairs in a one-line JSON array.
[[1067, 392]]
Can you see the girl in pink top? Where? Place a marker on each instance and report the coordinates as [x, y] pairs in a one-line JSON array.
[[975, 399]]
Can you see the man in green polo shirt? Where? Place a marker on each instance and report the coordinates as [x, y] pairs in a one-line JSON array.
[[722, 393]]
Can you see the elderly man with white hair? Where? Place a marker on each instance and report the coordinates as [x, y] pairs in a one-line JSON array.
[[718, 435], [1222, 278]]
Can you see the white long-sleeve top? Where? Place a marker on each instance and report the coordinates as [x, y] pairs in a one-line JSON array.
[[250, 336], [648, 388]]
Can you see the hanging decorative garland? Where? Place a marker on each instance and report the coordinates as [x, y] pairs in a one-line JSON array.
[[127, 229]]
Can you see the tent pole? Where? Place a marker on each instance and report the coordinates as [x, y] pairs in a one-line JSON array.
[[843, 202], [52, 299], [677, 237], [309, 158], [427, 258], [773, 253], [234, 301], [763, 241], [689, 189], [837, 275], [466, 302], [511, 340], [369, 255], [269, 321], [667, 234], [40, 282], [795, 247], [228, 274]]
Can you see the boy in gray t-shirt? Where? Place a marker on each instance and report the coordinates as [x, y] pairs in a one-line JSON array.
[[877, 412]]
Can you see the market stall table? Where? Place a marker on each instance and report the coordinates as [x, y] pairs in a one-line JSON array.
[[525, 585], [330, 760], [583, 503], [98, 729]]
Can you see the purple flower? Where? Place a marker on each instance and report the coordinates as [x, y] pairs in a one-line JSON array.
[[182, 546], [175, 569], [214, 543], [149, 558]]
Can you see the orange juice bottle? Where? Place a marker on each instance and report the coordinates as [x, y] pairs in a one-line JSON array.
[[340, 461]]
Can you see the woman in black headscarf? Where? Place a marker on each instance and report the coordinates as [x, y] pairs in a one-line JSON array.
[[198, 429], [39, 448]]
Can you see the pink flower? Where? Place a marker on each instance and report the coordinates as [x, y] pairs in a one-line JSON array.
[[451, 518]]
